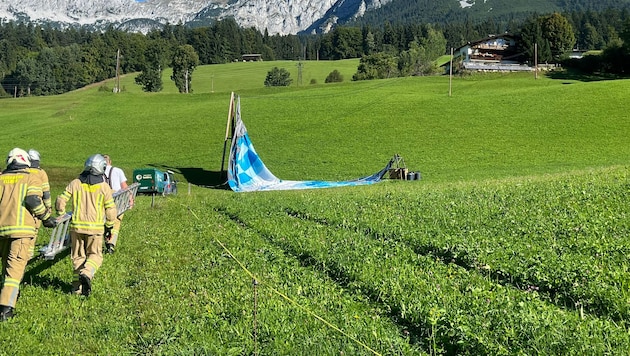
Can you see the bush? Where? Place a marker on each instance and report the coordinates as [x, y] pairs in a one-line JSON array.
[[376, 66], [278, 77], [334, 77], [150, 79], [313, 81]]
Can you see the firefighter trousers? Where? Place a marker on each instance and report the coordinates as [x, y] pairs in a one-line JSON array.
[[86, 253], [15, 255]]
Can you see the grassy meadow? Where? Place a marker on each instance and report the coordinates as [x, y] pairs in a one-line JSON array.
[[515, 241]]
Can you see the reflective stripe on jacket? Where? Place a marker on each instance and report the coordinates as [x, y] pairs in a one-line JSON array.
[[43, 176], [92, 205], [15, 218]]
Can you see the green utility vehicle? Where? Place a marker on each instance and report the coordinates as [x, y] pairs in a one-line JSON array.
[[154, 181]]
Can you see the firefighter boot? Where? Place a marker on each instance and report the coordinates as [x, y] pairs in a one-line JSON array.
[[86, 285], [6, 313], [109, 248], [76, 288]]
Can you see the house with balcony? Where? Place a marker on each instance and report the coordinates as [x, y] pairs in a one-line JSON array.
[[497, 53]]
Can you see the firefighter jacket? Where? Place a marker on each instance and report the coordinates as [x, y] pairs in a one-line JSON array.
[[92, 206], [20, 203], [45, 185]]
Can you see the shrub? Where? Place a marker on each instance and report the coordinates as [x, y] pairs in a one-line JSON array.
[[334, 77], [278, 77]]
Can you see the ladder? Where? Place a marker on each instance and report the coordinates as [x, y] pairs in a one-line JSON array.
[[60, 236], [124, 198]]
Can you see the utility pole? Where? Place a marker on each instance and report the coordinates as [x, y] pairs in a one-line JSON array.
[[186, 76], [212, 76], [536, 60], [117, 89], [450, 75], [299, 78]]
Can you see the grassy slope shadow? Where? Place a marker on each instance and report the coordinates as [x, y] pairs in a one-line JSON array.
[[573, 74], [37, 265], [200, 176]]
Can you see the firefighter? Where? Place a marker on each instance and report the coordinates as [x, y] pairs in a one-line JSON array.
[[35, 169], [20, 205], [92, 202]]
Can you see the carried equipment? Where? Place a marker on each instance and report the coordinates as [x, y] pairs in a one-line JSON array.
[[60, 235]]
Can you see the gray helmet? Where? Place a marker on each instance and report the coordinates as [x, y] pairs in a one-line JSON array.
[[95, 164], [18, 156], [33, 155]]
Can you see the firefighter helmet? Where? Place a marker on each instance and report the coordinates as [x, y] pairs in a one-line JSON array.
[[19, 156], [95, 164], [33, 155]]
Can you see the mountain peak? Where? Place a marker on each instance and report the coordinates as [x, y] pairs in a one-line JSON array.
[[277, 17]]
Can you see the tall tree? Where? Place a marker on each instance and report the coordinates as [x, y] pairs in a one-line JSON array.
[[8, 57], [376, 66], [26, 75], [369, 40], [155, 60], [184, 62], [433, 43], [559, 32], [531, 36], [72, 73], [591, 39], [347, 42]]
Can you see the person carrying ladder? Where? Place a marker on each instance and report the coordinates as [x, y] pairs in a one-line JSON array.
[[21, 209], [92, 205]]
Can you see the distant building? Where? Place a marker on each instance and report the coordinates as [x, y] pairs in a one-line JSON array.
[[494, 53], [577, 54], [252, 57]]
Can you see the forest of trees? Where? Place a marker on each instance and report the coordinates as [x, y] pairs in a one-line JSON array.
[[41, 60], [502, 11]]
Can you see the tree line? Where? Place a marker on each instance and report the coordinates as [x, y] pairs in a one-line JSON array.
[[42, 60]]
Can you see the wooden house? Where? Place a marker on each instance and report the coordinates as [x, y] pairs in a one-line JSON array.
[[493, 53], [252, 57]]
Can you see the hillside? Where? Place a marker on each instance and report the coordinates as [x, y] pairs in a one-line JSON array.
[[423, 120], [440, 12], [514, 242]]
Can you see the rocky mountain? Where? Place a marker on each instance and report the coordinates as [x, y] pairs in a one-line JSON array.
[[276, 16]]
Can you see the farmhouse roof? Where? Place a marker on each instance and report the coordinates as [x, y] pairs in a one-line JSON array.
[[490, 37]]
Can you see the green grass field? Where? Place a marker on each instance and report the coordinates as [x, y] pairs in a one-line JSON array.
[[515, 241]]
